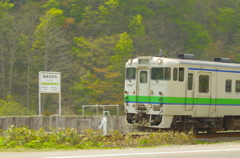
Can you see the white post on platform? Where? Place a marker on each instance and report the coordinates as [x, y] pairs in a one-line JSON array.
[[104, 125]]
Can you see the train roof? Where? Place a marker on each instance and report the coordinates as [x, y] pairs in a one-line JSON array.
[[198, 62], [208, 63]]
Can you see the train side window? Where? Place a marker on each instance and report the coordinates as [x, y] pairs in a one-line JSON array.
[[203, 84], [143, 77], [175, 74], [181, 74], [228, 86], [238, 86], [190, 81]]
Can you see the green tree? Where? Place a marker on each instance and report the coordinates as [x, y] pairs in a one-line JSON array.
[[131, 8], [27, 77], [93, 55], [94, 52], [9, 107], [50, 38], [77, 12], [102, 88], [103, 85], [5, 32], [123, 50], [136, 28], [197, 37], [5, 6], [51, 4]]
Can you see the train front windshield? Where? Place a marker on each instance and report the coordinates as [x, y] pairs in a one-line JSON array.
[[162, 73], [131, 73]]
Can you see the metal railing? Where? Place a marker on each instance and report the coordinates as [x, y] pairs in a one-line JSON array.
[[103, 106]]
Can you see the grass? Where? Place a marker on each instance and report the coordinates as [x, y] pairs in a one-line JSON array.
[[23, 139]]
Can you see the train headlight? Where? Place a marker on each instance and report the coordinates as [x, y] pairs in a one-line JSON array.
[[160, 93], [159, 61], [129, 61]]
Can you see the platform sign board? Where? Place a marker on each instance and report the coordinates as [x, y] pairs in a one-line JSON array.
[[49, 82]]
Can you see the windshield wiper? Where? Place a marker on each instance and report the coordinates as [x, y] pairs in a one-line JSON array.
[[129, 78], [155, 79]]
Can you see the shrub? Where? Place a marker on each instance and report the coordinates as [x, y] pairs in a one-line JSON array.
[[70, 138]]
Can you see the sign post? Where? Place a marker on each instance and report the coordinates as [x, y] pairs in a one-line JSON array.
[[49, 82]]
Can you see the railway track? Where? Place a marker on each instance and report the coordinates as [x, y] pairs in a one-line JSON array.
[[204, 135], [218, 135]]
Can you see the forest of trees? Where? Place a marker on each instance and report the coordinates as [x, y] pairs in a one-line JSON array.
[[89, 41]]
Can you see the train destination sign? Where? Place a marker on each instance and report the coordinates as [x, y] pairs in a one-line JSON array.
[[49, 82]]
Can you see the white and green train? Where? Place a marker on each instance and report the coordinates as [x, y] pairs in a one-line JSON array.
[[182, 94]]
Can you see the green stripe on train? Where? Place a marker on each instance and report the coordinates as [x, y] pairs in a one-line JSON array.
[[180, 100]]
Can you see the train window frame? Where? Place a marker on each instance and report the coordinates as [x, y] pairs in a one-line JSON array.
[[203, 86], [175, 74], [164, 73], [237, 86], [181, 74], [228, 85], [130, 75], [167, 73]]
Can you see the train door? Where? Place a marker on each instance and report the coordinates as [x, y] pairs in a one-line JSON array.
[[203, 94], [213, 110], [142, 91], [189, 99]]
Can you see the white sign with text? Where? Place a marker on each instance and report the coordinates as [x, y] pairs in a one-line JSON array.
[[49, 82]]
